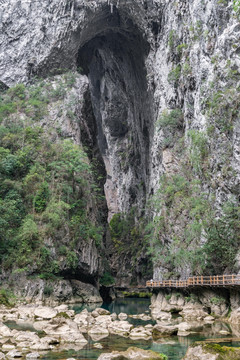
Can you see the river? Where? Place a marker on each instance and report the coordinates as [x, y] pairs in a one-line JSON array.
[[174, 347]]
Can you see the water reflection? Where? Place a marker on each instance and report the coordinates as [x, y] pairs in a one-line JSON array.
[[174, 347], [128, 305]]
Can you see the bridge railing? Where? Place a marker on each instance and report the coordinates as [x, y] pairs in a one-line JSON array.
[[214, 280]]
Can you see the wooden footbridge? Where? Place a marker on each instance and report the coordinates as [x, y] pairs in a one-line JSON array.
[[197, 281]]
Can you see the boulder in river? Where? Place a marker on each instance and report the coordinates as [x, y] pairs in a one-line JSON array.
[[120, 328], [4, 330], [45, 312], [160, 330], [204, 351], [132, 353], [193, 312], [14, 354], [122, 316], [140, 333], [33, 355]]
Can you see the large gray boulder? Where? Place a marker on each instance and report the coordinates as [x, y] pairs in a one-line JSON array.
[[120, 328], [132, 353], [45, 312], [202, 351], [160, 330]]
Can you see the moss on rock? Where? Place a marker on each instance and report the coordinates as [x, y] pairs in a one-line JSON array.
[[215, 351]]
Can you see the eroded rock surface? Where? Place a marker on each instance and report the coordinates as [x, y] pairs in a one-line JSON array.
[[211, 352], [131, 354], [143, 60]]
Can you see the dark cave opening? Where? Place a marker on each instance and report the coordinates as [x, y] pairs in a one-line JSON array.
[[112, 56], [114, 64], [114, 61]]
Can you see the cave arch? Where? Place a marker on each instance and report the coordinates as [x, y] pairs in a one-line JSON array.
[[112, 54]]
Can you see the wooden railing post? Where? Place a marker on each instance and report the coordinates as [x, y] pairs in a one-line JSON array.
[[215, 280]]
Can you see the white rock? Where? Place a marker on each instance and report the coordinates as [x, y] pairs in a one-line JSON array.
[[163, 316], [103, 320], [27, 336], [140, 333], [209, 319], [4, 330], [122, 316], [120, 327], [224, 332], [33, 355], [61, 308], [7, 347], [82, 318], [98, 330], [14, 354], [45, 312], [40, 325], [102, 311], [114, 316], [73, 338]]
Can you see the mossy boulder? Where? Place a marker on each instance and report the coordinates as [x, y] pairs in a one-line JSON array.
[[133, 353], [204, 351]]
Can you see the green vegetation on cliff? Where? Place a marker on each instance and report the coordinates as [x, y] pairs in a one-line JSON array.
[[47, 192], [127, 234], [189, 231]]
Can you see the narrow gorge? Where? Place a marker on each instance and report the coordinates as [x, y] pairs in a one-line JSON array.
[[120, 151]]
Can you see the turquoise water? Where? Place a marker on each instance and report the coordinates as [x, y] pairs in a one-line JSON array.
[[174, 347], [130, 306]]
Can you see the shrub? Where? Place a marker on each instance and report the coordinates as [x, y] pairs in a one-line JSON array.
[[181, 47], [48, 276], [217, 300], [29, 233], [164, 357], [107, 279], [10, 165], [63, 250], [72, 260], [55, 213], [174, 75], [172, 119], [63, 315], [18, 91], [172, 39], [7, 109], [41, 198], [236, 7], [48, 290], [199, 149], [6, 297]]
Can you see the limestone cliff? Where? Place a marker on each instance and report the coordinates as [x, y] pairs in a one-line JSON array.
[[163, 83]]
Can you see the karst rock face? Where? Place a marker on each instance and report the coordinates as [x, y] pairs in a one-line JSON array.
[[141, 57]]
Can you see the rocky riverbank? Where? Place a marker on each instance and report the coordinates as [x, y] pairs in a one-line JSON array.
[[197, 305], [60, 328], [200, 351]]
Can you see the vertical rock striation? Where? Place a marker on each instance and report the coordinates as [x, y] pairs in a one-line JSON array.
[[144, 60]]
